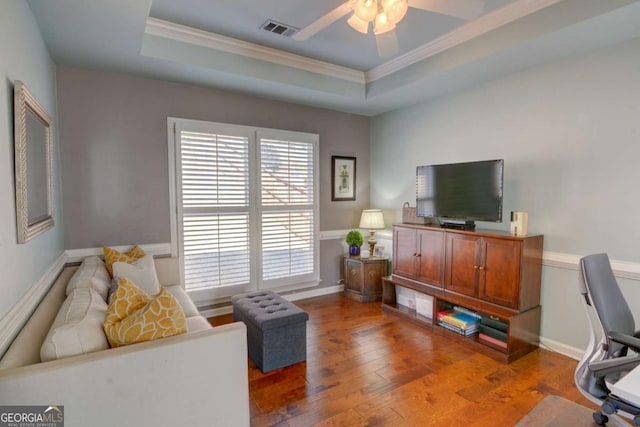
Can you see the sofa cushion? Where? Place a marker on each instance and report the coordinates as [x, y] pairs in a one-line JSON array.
[[188, 307], [141, 272], [133, 316], [77, 328], [93, 274], [111, 255], [197, 323]]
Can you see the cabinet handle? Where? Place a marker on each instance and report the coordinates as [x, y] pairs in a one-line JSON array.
[[481, 268], [415, 254], [419, 255], [475, 267]]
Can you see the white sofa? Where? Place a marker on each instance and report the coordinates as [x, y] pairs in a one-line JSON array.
[[197, 379]]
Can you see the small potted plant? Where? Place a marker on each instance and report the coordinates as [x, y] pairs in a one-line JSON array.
[[354, 239]]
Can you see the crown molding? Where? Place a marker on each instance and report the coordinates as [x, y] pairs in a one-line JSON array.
[[462, 34], [181, 33]]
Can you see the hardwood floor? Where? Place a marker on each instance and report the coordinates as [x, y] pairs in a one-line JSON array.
[[368, 368]]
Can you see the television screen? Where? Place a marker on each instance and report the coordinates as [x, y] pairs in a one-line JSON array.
[[465, 191]]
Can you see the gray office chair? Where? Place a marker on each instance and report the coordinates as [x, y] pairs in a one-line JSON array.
[[612, 334]]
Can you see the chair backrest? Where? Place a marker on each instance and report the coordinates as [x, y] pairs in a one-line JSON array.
[[598, 282]]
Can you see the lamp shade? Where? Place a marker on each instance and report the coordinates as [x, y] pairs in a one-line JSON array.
[[372, 219]]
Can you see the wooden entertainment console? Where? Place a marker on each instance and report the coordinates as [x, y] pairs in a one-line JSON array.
[[492, 273]]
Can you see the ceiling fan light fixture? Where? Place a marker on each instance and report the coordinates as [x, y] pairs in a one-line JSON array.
[[358, 24], [366, 10], [395, 9], [383, 24]]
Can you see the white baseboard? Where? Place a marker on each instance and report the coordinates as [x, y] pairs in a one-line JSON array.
[[19, 314], [558, 347], [289, 297], [314, 293], [227, 309]]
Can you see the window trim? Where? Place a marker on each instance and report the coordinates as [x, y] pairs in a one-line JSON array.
[[254, 134]]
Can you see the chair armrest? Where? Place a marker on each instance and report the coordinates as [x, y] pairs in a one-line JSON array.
[[601, 368], [631, 342]]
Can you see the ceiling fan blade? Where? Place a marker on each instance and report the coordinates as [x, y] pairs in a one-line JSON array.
[[387, 44], [323, 22], [464, 9]]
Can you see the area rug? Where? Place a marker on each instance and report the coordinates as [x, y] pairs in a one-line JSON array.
[[558, 412]]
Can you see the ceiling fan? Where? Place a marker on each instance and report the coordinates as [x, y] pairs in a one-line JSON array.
[[383, 15]]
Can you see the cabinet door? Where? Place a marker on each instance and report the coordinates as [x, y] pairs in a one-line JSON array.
[[372, 280], [353, 275], [463, 262], [430, 257], [500, 278], [404, 252]]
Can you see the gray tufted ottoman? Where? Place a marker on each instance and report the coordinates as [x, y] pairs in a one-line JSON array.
[[276, 329]]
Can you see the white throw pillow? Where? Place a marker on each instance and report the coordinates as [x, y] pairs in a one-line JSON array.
[[91, 274], [77, 328], [188, 307], [141, 272]]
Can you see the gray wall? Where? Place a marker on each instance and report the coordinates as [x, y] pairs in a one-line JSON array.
[[113, 132], [23, 56], [570, 136]]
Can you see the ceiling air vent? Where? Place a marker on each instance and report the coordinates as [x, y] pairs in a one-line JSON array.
[[278, 28]]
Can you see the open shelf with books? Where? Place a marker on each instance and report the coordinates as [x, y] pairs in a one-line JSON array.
[[457, 319], [482, 288]]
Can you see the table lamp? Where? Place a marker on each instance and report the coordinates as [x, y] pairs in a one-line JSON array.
[[372, 220]]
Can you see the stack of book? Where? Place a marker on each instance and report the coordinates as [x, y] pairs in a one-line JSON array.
[[460, 320], [493, 331]]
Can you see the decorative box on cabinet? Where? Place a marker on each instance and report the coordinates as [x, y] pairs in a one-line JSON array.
[[363, 278], [490, 272]]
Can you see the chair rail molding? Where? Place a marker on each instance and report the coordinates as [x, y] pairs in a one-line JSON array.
[[19, 314], [155, 249], [621, 269]]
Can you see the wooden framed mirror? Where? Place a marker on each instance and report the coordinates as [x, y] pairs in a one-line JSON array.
[[33, 165]]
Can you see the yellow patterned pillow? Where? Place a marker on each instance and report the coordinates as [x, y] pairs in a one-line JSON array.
[[111, 256], [133, 316]]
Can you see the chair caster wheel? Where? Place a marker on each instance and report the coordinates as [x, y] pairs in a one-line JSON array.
[[608, 407], [600, 418]]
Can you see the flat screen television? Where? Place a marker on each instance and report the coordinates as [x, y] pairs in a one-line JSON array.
[[465, 192]]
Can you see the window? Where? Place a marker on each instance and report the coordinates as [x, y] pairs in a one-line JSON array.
[[245, 207]]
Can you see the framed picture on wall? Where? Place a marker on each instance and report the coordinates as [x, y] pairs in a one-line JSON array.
[[343, 178], [378, 251]]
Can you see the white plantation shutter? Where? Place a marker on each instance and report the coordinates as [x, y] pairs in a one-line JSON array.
[[287, 244], [215, 206], [216, 250], [287, 208], [246, 213]]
